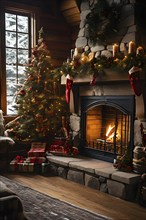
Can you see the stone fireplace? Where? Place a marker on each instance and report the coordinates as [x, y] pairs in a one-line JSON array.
[[108, 113]]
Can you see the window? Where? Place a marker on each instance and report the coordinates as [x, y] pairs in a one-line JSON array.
[[16, 43], [17, 47]]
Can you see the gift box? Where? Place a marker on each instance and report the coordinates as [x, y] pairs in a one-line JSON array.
[[17, 163], [38, 160], [25, 167], [37, 168], [31, 167], [59, 141], [13, 166], [45, 168], [56, 148], [37, 149]]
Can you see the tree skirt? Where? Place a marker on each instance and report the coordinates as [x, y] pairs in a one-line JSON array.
[[38, 206]]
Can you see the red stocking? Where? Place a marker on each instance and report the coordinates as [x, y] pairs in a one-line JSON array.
[[134, 78], [93, 81], [69, 83]]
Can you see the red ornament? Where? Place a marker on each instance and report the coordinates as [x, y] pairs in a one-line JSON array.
[[22, 92]]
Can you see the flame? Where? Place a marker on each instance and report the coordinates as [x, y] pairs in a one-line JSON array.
[[110, 132]]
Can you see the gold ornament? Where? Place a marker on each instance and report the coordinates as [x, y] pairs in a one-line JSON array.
[[84, 59], [75, 63], [41, 107], [41, 95], [91, 56], [33, 100], [37, 130], [39, 79]]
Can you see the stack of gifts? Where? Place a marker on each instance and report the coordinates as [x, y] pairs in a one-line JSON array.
[[63, 147], [36, 157], [63, 143]]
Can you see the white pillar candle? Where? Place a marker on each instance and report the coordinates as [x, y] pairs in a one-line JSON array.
[[115, 49], [139, 50], [131, 47]]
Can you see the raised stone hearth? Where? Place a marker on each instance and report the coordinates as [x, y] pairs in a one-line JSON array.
[[96, 174]]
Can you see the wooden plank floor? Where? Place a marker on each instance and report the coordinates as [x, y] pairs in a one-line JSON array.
[[82, 196]]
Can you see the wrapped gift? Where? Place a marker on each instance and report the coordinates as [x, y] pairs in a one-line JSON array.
[[59, 141], [25, 167], [37, 168], [37, 149], [45, 168], [13, 166], [27, 160], [20, 167], [31, 167], [38, 160], [57, 150], [17, 163]]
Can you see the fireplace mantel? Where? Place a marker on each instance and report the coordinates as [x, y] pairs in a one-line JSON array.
[[108, 75]]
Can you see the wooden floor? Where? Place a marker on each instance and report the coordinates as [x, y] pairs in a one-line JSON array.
[[82, 196]]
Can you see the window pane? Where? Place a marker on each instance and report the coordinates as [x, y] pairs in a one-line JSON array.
[[21, 76], [10, 56], [10, 39], [10, 22], [10, 105], [23, 56], [23, 41], [22, 24], [11, 84], [11, 72]]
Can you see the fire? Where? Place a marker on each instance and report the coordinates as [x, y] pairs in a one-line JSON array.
[[110, 132]]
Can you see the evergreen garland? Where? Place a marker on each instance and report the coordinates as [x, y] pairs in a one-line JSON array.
[[99, 64]]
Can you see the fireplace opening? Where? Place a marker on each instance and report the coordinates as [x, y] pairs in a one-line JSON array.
[[107, 126], [107, 129]]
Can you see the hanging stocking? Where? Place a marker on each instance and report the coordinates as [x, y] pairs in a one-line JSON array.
[[134, 78], [93, 81], [69, 82]]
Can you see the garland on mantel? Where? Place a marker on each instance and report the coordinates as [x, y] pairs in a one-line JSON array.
[[97, 65]]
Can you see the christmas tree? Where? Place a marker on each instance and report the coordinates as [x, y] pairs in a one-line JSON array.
[[39, 101]]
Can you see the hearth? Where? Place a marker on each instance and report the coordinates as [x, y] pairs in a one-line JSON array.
[[107, 126]]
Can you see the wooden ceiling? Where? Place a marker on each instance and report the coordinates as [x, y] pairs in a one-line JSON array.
[[71, 12]]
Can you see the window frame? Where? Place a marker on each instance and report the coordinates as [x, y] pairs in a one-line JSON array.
[[32, 42]]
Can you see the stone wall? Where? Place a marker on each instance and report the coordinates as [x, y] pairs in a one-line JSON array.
[[126, 29]]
